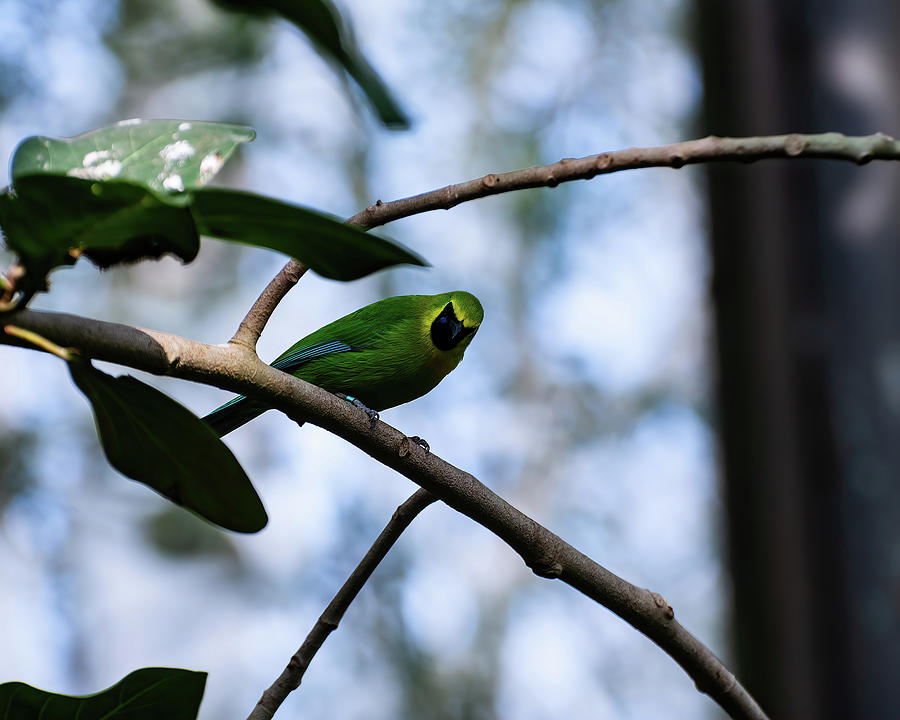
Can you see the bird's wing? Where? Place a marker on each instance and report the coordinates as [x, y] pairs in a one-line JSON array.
[[290, 361]]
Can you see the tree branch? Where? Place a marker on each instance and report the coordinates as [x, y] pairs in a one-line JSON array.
[[252, 325], [859, 149], [833, 146], [290, 678], [235, 367]]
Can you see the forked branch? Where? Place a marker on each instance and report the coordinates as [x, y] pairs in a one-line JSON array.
[[235, 367], [858, 149]]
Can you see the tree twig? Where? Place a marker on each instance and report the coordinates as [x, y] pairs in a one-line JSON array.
[[328, 621], [255, 320], [832, 146], [232, 367], [860, 149], [235, 368]]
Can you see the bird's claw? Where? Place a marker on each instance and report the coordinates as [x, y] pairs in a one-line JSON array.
[[373, 414], [421, 442]]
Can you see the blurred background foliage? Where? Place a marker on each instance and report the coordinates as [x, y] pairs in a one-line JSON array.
[[584, 400]]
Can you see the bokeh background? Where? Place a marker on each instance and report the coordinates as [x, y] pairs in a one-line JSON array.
[[588, 399]]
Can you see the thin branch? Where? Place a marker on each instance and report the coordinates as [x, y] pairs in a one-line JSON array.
[[710, 149], [834, 146], [233, 367], [328, 622], [252, 325], [236, 367]]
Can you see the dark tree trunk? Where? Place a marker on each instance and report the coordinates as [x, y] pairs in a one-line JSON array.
[[806, 287]]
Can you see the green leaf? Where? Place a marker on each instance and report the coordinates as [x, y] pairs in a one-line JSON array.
[[163, 155], [324, 244], [46, 217], [152, 439], [146, 694], [322, 23], [113, 195]]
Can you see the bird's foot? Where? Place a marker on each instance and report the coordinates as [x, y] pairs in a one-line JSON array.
[[421, 442], [373, 414]]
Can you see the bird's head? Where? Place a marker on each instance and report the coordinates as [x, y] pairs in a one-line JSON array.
[[455, 317]]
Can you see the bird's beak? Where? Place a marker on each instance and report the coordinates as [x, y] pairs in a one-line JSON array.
[[460, 330]]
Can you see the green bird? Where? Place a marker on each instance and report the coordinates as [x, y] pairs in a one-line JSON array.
[[382, 355]]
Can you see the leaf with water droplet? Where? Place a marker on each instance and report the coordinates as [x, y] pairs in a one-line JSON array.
[[163, 155]]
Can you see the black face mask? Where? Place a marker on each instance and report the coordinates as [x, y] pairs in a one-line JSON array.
[[447, 330]]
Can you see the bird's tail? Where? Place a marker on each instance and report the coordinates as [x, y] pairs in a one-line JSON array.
[[233, 414]]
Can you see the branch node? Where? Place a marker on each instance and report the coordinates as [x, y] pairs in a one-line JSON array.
[[603, 161], [794, 145], [238, 339], [544, 558], [661, 603], [490, 180], [722, 678], [255, 320]]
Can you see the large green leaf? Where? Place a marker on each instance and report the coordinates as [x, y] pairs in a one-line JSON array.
[[322, 23], [146, 694], [152, 439], [49, 219], [111, 194], [132, 191], [331, 248], [163, 155]]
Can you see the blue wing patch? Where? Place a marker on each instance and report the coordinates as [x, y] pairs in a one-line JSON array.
[[233, 401], [295, 359]]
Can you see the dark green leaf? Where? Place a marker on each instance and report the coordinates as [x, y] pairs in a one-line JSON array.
[[163, 155], [324, 244], [152, 439], [146, 694], [60, 206], [45, 217], [50, 221], [322, 23]]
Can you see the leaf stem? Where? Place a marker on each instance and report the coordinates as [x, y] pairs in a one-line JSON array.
[[43, 343]]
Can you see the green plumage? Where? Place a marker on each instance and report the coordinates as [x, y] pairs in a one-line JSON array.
[[385, 354]]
